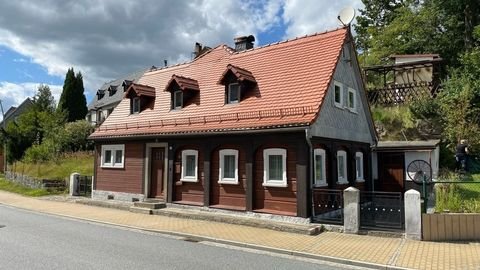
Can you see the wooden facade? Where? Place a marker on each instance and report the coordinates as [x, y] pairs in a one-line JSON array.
[[249, 194]]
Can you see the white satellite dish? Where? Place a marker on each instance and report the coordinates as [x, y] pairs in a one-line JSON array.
[[346, 16]]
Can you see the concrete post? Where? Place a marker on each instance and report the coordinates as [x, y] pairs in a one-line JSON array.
[[73, 184], [351, 210], [413, 215]]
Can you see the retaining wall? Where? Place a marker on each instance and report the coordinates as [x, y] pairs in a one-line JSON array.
[[32, 182]]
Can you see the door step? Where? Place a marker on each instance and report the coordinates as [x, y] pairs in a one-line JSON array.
[[150, 204]]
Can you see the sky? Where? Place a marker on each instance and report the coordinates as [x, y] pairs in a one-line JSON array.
[[106, 39]]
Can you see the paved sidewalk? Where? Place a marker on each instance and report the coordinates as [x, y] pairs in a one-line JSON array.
[[367, 251]]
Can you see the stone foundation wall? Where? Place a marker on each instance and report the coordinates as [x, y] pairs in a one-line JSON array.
[[118, 196], [35, 183]]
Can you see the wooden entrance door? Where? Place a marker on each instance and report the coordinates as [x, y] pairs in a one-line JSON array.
[[157, 160], [391, 171]]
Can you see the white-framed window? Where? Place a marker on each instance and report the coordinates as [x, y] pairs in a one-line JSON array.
[[177, 100], [352, 99], [136, 105], [189, 166], [275, 167], [113, 156], [233, 93], [338, 94], [319, 167], [228, 170], [359, 166], [342, 167]]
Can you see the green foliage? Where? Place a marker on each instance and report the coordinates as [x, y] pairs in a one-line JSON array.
[[75, 136], [59, 168], [463, 197], [16, 188], [43, 100], [72, 100], [394, 123]]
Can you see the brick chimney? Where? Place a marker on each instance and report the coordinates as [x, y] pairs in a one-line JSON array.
[[244, 43]]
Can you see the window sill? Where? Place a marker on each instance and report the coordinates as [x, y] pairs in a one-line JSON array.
[[320, 185], [112, 167], [338, 105], [275, 184], [361, 180], [189, 180], [228, 182], [353, 110], [342, 182]]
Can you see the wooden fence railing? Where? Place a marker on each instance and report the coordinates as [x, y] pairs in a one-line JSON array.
[[401, 93]]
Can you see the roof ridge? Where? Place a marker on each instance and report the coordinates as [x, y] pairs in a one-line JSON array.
[[290, 40], [126, 75]]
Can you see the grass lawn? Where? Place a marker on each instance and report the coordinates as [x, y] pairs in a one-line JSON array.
[[15, 188], [463, 197], [59, 169]]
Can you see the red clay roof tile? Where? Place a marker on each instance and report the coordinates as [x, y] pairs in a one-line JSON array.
[[140, 90], [183, 82], [292, 79]]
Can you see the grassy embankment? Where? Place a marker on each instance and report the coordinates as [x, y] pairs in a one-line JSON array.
[[463, 197], [59, 169]]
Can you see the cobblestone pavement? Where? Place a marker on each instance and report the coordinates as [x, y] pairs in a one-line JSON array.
[[362, 250]]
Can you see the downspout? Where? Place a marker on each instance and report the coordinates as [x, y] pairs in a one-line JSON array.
[[308, 138]]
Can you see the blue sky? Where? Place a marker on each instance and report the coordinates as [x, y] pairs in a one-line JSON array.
[[108, 39]]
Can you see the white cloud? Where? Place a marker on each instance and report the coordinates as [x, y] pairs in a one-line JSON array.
[[13, 94], [310, 16]]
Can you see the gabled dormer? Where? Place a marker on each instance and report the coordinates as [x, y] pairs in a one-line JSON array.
[[183, 91], [126, 84], [100, 94], [141, 97], [238, 82], [112, 89]]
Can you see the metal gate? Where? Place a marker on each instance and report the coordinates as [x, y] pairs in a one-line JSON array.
[[381, 210], [328, 206], [84, 186]]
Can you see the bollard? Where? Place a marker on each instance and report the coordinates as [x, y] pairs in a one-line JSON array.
[[351, 210], [73, 188], [413, 215]]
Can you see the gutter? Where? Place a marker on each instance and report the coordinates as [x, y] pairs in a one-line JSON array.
[[308, 138]]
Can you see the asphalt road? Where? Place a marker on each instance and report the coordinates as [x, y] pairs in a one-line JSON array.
[[37, 241]]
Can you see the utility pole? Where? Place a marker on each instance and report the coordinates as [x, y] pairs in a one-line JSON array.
[[4, 140]]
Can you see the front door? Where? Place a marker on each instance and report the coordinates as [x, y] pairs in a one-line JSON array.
[[156, 172], [391, 171]]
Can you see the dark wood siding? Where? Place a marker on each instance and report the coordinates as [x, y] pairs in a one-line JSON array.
[[276, 200], [128, 179], [227, 195], [188, 192]]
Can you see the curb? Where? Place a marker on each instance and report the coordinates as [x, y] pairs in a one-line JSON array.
[[199, 238]]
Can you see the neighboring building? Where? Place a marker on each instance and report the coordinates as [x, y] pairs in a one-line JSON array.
[[246, 129], [13, 113], [108, 97], [410, 77]]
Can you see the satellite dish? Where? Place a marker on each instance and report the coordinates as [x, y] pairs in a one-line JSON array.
[[346, 16]]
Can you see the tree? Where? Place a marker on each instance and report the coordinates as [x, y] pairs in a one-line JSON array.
[[72, 100], [43, 100]]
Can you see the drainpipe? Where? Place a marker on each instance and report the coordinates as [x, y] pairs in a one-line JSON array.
[[310, 164]]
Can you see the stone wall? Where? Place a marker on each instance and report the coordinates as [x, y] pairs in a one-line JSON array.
[[35, 183]]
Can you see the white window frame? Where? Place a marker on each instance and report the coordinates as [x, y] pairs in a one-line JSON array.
[[342, 180], [359, 177], [319, 182], [185, 178], [221, 178], [338, 104], [267, 182], [350, 107], [136, 100], [175, 107], [113, 148], [229, 101]]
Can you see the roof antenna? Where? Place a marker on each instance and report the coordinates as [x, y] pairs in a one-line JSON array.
[[346, 16], [165, 62]]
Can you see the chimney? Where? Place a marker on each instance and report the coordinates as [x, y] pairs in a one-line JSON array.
[[244, 43], [198, 50]]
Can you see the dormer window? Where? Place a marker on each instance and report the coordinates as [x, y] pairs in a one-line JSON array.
[[183, 91], [126, 84], [141, 97], [177, 100], [233, 95], [237, 82], [100, 94], [136, 105], [112, 90]]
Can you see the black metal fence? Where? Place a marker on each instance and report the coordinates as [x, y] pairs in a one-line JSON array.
[[382, 210], [328, 206], [84, 187]]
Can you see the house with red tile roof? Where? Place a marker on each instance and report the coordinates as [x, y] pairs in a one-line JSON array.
[[246, 129]]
